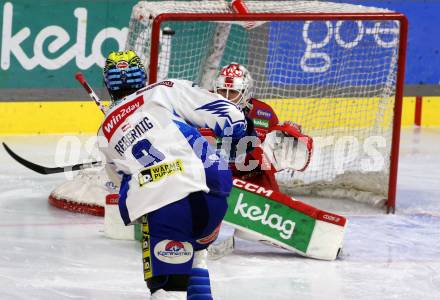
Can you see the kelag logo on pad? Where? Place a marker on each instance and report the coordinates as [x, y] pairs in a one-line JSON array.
[[252, 207], [265, 216]]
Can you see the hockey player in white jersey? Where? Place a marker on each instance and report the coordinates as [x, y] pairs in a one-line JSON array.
[[171, 180]]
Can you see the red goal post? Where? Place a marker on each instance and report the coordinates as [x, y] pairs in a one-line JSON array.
[[359, 95]]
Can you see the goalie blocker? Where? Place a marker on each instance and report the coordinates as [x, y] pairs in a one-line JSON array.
[[269, 217]]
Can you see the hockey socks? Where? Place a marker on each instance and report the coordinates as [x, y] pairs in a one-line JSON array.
[[199, 287]]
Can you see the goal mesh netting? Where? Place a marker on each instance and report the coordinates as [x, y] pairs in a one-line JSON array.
[[331, 67]]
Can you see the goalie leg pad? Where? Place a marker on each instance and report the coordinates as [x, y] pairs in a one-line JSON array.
[[278, 219]]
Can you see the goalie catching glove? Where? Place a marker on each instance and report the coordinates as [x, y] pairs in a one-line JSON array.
[[287, 148]]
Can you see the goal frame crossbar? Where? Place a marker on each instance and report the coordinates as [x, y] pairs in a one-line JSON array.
[[234, 17]]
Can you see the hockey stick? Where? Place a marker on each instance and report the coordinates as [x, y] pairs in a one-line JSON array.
[[52, 170], [80, 77], [49, 170]]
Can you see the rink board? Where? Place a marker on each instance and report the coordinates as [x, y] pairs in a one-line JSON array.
[[55, 117]]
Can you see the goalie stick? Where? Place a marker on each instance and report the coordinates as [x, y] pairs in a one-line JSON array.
[[49, 170]]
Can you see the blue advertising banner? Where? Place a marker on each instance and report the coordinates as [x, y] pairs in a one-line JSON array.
[[355, 52], [423, 57]]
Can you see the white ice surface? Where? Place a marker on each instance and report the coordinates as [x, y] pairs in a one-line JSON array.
[[47, 253]]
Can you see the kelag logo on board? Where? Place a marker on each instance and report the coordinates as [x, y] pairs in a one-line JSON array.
[[44, 43], [53, 46]]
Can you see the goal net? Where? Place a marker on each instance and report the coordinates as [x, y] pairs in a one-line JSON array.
[[336, 69]]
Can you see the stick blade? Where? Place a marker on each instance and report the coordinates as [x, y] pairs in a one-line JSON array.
[[24, 162], [49, 170]]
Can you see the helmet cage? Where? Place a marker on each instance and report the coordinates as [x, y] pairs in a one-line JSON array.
[[124, 73], [235, 77]]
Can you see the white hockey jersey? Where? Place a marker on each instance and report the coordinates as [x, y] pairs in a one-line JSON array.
[[150, 139]]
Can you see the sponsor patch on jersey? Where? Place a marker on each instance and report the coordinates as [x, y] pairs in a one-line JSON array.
[[264, 113], [261, 123], [158, 172], [116, 118], [173, 252]]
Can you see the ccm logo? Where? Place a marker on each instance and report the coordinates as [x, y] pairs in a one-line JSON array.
[[331, 218], [252, 187]]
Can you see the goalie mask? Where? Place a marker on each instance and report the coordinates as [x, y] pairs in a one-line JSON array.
[[124, 74], [234, 82]]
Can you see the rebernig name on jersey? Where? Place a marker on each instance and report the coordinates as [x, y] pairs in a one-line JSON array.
[[128, 139]]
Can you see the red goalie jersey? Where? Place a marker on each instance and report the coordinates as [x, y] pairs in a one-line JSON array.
[[264, 120]]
